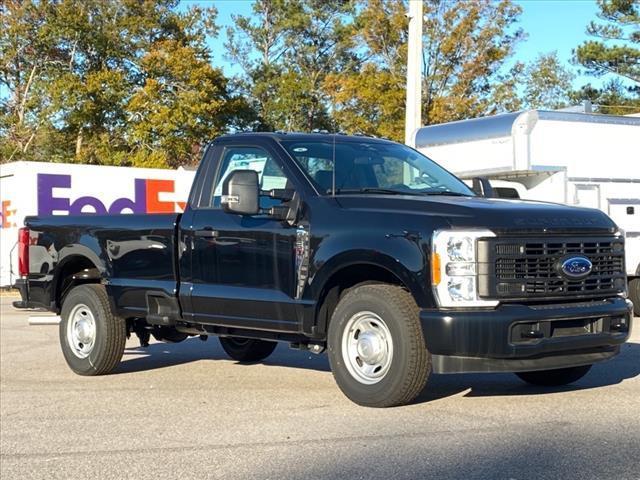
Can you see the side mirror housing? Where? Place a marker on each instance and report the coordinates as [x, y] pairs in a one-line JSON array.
[[482, 187], [241, 193]]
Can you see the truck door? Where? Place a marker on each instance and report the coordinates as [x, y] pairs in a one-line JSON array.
[[243, 267]]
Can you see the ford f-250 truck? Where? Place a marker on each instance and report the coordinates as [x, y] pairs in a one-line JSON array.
[[360, 246]]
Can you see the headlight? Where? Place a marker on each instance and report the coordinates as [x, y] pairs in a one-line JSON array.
[[454, 268]]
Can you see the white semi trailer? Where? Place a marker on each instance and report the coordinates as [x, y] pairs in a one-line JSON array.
[[581, 159], [38, 188]]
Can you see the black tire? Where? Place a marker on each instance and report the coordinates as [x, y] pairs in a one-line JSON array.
[[634, 295], [554, 378], [247, 350], [110, 331], [410, 362]]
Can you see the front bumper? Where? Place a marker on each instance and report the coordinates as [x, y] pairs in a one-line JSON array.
[[516, 337]]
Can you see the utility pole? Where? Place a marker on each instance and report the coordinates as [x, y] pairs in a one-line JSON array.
[[413, 111]]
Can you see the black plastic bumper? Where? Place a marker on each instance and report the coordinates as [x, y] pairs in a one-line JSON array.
[[524, 337], [23, 287]]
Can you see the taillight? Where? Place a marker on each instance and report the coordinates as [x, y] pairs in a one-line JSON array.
[[23, 252]]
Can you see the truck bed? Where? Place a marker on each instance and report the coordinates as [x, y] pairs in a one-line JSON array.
[[132, 254]]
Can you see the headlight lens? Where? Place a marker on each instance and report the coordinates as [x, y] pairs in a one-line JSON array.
[[461, 249], [454, 266], [462, 289]]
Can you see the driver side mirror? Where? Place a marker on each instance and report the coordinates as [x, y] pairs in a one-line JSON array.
[[482, 187], [241, 193]]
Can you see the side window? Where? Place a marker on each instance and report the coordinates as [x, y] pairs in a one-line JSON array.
[[250, 158]]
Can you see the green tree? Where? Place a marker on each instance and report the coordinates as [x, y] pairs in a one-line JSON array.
[[612, 98], [505, 90], [616, 54], [182, 103], [617, 49], [371, 98], [110, 82], [547, 82], [287, 49], [465, 45], [25, 56], [257, 44]]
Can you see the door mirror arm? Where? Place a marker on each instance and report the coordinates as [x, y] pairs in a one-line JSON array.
[[288, 211], [284, 194]]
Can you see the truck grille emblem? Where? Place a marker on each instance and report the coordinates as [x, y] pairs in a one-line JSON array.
[[576, 268]]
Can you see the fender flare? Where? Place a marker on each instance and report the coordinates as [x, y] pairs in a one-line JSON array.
[[70, 254], [406, 276]]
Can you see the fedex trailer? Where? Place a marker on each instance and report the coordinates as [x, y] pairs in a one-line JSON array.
[[582, 159], [35, 188]]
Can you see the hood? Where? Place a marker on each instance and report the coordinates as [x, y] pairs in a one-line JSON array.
[[493, 213]]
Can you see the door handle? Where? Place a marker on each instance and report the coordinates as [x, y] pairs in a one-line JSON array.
[[206, 232]]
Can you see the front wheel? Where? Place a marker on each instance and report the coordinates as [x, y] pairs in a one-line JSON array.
[[634, 295], [555, 378], [376, 346], [247, 349], [91, 336]]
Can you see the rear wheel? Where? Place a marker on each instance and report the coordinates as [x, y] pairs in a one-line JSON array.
[[376, 346], [634, 295], [91, 336], [247, 349], [555, 378]]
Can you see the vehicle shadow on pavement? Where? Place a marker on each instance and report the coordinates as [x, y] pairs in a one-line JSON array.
[[623, 367], [161, 355]]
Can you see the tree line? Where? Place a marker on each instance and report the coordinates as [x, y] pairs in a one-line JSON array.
[[132, 82]]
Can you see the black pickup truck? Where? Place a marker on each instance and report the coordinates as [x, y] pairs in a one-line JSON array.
[[356, 245]]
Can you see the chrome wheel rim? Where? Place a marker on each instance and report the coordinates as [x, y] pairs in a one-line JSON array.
[[81, 331], [367, 347]]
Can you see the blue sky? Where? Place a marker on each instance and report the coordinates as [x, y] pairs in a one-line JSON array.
[[550, 24], [555, 25]]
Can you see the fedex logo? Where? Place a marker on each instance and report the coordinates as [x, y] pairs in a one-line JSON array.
[[146, 198], [7, 214]]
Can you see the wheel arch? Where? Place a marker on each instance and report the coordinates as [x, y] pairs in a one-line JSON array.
[[353, 269], [74, 269]]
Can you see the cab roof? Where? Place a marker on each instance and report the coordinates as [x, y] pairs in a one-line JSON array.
[[305, 137]]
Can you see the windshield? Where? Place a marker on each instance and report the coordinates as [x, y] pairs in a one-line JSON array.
[[372, 167]]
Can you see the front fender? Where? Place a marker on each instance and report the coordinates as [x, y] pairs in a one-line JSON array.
[[403, 256]]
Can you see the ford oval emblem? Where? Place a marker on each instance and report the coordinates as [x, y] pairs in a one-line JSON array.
[[575, 268]]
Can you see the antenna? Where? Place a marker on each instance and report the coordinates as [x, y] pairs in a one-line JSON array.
[[333, 179]]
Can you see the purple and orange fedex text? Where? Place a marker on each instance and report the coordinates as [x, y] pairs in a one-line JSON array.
[[7, 215], [146, 198]]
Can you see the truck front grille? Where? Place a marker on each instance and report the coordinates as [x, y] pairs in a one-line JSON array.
[[530, 268]]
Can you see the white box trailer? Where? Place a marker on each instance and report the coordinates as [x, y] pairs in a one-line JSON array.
[[580, 159], [35, 188]]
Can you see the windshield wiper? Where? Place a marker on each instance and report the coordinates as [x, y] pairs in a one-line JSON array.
[[446, 192], [383, 191]]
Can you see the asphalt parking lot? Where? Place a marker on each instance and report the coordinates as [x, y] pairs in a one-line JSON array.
[[186, 411]]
